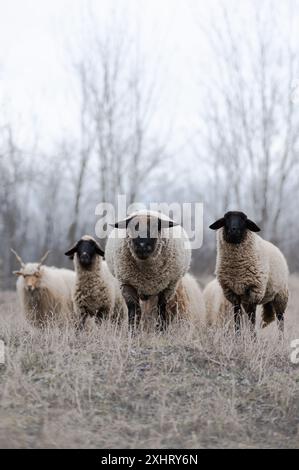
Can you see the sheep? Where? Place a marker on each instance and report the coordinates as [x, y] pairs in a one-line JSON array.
[[186, 304], [45, 293], [97, 293], [250, 270], [217, 306], [148, 253], [219, 311]]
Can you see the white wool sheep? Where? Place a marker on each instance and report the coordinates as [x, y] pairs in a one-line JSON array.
[[45, 293], [97, 293], [186, 304], [219, 311], [218, 308], [148, 253], [250, 270]]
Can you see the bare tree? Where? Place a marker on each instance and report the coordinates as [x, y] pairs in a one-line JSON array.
[[13, 195], [79, 168], [119, 103], [250, 128]]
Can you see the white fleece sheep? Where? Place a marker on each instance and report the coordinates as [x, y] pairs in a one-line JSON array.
[[251, 271], [218, 308], [45, 293], [219, 311], [97, 293], [150, 264], [186, 304]]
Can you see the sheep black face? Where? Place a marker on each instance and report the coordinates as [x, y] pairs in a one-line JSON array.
[[143, 237], [235, 225], [144, 246], [144, 234], [86, 248]]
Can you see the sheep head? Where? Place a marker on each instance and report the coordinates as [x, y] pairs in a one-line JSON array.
[[144, 232], [31, 272], [86, 249], [235, 225]]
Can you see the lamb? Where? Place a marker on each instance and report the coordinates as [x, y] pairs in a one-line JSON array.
[[250, 270], [149, 254], [45, 293], [97, 293]]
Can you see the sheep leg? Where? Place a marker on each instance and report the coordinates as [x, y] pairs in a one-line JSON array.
[[280, 318], [162, 303], [268, 314], [250, 309], [163, 299], [132, 300], [236, 302], [237, 317], [82, 321], [280, 304]]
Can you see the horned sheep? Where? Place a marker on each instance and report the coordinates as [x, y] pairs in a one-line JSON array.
[[45, 293]]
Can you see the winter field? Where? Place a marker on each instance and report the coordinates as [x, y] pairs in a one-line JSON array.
[[103, 388]]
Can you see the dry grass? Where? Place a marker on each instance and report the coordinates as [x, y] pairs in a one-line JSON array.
[[105, 389]]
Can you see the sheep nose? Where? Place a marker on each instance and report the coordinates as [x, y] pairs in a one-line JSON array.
[[142, 244], [84, 257]]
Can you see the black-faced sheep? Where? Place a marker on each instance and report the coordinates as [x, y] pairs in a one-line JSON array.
[[45, 293], [97, 293], [250, 270], [148, 253]]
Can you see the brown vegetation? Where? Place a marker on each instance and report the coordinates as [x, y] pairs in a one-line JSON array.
[[105, 389]]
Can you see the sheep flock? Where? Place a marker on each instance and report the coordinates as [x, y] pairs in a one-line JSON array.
[[142, 277]]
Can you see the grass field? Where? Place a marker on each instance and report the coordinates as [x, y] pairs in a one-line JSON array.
[[103, 388]]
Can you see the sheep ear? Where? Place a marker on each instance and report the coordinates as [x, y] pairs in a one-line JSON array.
[[163, 223], [122, 223], [70, 253], [100, 251], [218, 224], [252, 226], [17, 273]]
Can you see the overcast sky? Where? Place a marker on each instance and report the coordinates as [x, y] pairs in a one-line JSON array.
[[36, 37]]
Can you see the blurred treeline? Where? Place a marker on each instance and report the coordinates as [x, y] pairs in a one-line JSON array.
[[241, 154]]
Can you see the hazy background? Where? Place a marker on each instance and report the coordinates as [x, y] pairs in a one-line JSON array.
[[166, 100]]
